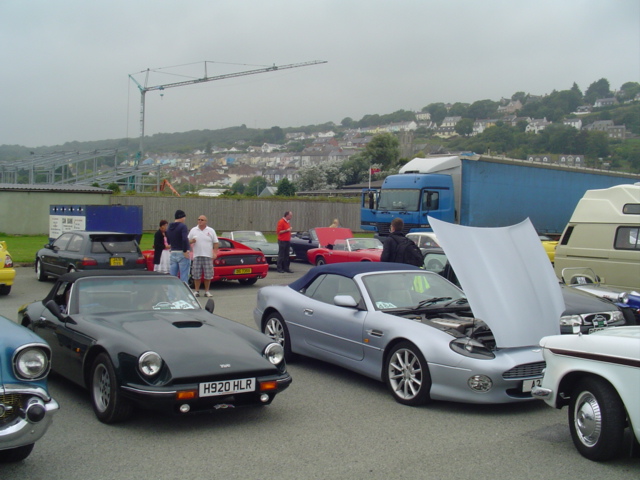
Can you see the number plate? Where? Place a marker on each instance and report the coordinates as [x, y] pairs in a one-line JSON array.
[[241, 271], [596, 329], [227, 387], [527, 385], [116, 261]]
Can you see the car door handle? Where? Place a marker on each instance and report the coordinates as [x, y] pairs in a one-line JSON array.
[[375, 333], [308, 311]]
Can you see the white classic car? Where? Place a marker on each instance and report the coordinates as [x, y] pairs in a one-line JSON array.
[[598, 376]]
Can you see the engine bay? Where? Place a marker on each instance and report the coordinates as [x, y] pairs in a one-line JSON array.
[[459, 325]]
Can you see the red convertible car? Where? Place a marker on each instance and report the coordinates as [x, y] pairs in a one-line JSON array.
[[347, 250], [235, 262]]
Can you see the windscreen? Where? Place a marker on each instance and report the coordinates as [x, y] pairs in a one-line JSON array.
[[122, 294], [399, 199]]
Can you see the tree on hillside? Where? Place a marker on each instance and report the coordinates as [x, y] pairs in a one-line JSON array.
[[238, 187], [383, 149], [519, 96], [482, 109], [598, 145], [286, 188], [598, 89], [347, 122], [628, 91], [575, 89], [274, 135], [255, 186], [459, 109], [437, 110], [321, 176], [464, 127]]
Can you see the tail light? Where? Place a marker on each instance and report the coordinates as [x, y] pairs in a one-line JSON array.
[[141, 261], [8, 263], [88, 262]]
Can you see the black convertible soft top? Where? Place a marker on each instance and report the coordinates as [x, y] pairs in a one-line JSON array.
[[349, 270]]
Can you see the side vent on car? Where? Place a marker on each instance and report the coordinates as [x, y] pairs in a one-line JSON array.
[[187, 324]]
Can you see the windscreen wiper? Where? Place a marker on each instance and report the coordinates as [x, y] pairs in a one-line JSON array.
[[106, 249], [431, 301], [457, 301]]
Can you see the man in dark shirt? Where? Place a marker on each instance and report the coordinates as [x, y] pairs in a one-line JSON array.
[[178, 237], [390, 251]]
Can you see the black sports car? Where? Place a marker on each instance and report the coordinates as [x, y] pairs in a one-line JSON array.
[[142, 338]]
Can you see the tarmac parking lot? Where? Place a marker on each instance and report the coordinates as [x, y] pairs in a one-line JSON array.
[[330, 424]]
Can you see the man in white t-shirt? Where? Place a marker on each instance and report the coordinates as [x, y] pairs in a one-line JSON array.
[[204, 243]]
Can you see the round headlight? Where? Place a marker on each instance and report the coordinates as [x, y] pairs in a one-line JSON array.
[[31, 363], [149, 363], [274, 353]]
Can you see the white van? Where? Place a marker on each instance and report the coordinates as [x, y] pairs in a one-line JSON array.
[[604, 235]]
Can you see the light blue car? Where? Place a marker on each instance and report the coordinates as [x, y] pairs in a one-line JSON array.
[[26, 408]]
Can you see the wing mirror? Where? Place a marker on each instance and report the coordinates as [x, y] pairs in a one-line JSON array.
[[210, 305]]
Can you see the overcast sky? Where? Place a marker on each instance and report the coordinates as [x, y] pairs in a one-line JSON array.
[[65, 64]]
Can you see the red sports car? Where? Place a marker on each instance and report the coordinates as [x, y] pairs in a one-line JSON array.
[[235, 262], [347, 250]]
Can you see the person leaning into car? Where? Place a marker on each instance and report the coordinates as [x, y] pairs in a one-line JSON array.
[[178, 236], [283, 230]]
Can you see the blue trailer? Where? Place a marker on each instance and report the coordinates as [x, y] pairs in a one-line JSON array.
[[482, 192], [110, 218]]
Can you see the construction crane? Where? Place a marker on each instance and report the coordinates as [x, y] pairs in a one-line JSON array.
[[144, 89]]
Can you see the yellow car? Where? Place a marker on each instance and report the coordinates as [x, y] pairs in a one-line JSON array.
[[7, 272], [549, 246]]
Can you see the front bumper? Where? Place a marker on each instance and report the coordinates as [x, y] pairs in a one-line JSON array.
[[174, 399], [25, 415]]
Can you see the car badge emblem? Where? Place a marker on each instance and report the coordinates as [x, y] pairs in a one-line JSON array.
[[242, 261], [600, 320], [225, 365]]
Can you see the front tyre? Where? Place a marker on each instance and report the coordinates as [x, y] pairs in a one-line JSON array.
[[276, 329], [407, 375], [596, 419], [15, 454], [108, 404], [40, 275]]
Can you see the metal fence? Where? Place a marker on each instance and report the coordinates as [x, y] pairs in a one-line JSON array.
[[224, 214]]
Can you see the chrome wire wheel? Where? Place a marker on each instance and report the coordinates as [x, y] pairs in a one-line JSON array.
[[405, 374], [101, 388]]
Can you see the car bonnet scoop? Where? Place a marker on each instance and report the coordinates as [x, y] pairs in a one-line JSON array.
[[188, 324]]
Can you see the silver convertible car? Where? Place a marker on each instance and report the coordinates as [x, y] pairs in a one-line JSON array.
[[396, 323]]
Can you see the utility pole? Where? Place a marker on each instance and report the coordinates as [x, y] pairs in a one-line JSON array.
[[144, 89]]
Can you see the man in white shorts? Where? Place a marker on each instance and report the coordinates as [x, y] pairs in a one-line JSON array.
[[204, 243]]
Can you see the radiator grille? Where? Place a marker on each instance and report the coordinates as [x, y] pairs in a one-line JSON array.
[[524, 371], [12, 404]]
